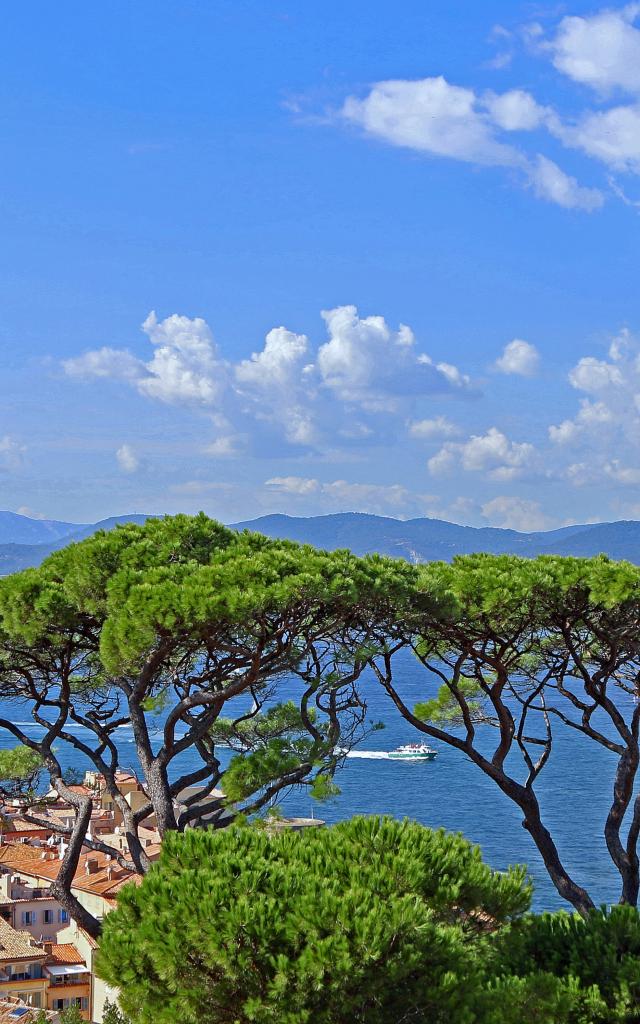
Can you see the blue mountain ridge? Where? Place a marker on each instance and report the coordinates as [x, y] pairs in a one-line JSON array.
[[417, 540]]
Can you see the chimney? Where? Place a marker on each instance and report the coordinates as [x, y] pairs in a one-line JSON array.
[[91, 865]]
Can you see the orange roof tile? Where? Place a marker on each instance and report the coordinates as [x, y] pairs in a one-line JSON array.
[[106, 880], [64, 953], [9, 1005], [15, 945]]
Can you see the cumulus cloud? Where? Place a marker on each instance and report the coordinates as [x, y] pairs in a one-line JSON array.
[[607, 424], [357, 385], [184, 368], [492, 453], [611, 136], [513, 513], [367, 363], [293, 485], [550, 182], [278, 380], [435, 429], [515, 111], [119, 364], [591, 415], [431, 115], [602, 50], [343, 495], [627, 475], [127, 459], [520, 358]]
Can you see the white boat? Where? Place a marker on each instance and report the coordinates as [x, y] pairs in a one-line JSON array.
[[413, 752]]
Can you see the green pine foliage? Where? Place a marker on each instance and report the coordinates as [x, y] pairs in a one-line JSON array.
[[370, 921], [71, 1015], [111, 1014], [600, 953]]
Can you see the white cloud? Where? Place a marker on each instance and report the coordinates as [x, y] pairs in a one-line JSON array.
[[430, 115], [279, 380], [519, 358], [551, 183], [224, 446], [627, 475], [602, 50], [433, 430], [11, 452], [279, 363], [183, 369], [127, 459], [118, 364], [513, 513], [367, 363], [357, 386], [344, 496], [591, 415], [293, 485], [515, 110], [605, 432], [492, 453], [26, 510], [595, 375], [612, 136]]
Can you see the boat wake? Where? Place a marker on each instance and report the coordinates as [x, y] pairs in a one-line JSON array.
[[373, 755]]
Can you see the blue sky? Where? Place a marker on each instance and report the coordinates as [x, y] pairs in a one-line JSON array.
[[312, 257]]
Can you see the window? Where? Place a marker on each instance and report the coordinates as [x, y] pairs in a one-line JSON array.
[[63, 917], [48, 917], [29, 917]]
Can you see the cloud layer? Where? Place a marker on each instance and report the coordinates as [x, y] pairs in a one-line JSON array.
[[512, 129], [357, 385]]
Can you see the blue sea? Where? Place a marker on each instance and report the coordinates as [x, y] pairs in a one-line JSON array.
[[574, 791]]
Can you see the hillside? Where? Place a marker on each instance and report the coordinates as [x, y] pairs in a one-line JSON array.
[[17, 529], [16, 555], [422, 540], [418, 540]]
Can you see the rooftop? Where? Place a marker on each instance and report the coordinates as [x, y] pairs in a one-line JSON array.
[[12, 1010], [95, 874], [64, 953], [15, 945]]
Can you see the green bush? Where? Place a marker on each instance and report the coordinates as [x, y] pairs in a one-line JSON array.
[[599, 954], [372, 921]]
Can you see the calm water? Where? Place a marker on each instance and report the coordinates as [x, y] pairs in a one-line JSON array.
[[574, 792]]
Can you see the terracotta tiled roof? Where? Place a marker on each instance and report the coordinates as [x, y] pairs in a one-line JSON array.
[[106, 880], [9, 1005], [64, 953], [20, 825], [16, 945]]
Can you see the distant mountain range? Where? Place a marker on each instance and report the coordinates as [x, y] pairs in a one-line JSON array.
[[26, 542], [425, 540]]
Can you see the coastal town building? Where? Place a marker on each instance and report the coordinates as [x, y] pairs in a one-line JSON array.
[[46, 961]]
